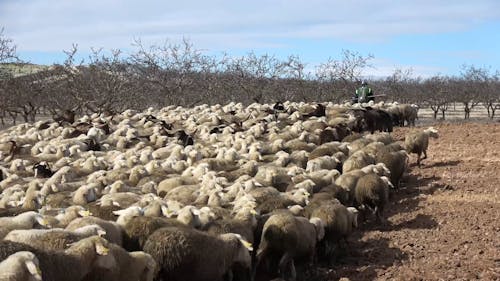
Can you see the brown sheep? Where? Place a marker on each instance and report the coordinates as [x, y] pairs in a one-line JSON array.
[[418, 141], [396, 162], [339, 223], [138, 229], [189, 254], [372, 192], [290, 239], [74, 263]]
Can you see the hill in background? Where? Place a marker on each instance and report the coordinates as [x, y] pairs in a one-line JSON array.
[[19, 69]]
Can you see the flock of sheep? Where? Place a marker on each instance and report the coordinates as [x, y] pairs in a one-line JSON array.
[[223, 192]]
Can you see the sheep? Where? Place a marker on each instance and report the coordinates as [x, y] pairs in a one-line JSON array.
[[189, 216], [157, 208], [322, 162], [85, 194], [189, 254], [339, 222], [396, 162], [337, 133], [249, 168], [114, 232], [290, 238], [138, 229], [103, 212], [283, 201], [323, 178], [273, 176], [330, 148], [377, 119], [11, 196], [357, 160], [53, 239], [74, 263], [26, 220], [42, 170], [170, 183], [20, 266], [66, 215], [125, 215], [383, 137], [408, 113], [130, 266], [121, 199], [349, 180], [243, 228], [372, 192], [297, 144], [418, 141]]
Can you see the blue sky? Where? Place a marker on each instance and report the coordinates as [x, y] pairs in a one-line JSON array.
[[429, 36]]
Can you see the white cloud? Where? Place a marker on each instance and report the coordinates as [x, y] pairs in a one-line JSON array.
[[237, 25], [50, 25], [387, 67]]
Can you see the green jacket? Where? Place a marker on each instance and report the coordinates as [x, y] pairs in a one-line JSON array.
[[363, 93]]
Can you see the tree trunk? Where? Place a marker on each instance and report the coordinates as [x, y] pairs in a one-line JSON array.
[[13, 115], [466, 109]]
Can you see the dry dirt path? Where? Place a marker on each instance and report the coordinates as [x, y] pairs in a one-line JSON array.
[[444, 224]]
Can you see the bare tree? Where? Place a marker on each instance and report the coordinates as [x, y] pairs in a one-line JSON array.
[[398, 85], [168, 70], [436, 95], [343, 73], [7, 48], [472, 87]]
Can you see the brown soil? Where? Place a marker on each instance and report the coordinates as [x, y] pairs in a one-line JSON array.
[[444, 223]]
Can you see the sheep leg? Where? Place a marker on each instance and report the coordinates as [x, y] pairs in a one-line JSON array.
[[258, 258], [285, 260], [376, 212], [425, 154], [379, 218], [229, 275], [293, 273]]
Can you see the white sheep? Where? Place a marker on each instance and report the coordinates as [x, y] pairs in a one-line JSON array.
[[20, 266]]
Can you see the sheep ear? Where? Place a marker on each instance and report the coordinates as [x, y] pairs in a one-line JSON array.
[[245, 243], [101, 232], [116, 204], [100, 249], [42, 221], [195, 212], [167, 212], [85, 213], [118, 213], [34, 270]]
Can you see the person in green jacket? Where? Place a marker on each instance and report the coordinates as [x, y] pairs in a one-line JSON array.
[[364, 93]]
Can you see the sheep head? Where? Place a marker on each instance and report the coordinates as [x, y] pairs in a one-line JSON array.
[[30, 261], [432, 132], [241, 248]]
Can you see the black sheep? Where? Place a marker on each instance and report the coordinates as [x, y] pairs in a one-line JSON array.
[[42, 170]]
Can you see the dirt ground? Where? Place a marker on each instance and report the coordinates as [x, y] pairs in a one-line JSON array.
[[444, 223]]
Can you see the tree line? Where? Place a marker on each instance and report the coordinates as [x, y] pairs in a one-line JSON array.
[[180, 74]]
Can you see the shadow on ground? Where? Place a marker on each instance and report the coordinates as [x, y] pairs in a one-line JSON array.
[[364, 258]]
